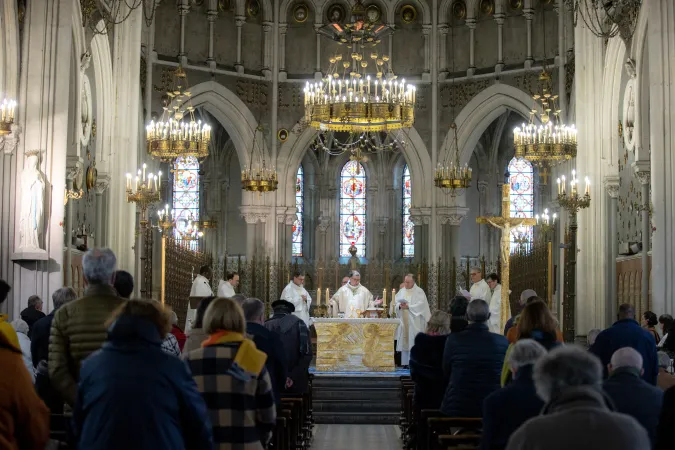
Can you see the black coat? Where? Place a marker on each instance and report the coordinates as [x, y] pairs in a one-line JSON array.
[[270, 342], [39, 350], [426, 370], [633, 396], [39, 343], [472, 361], [505, 410], [295, 337], [30, 316], [665, 431]]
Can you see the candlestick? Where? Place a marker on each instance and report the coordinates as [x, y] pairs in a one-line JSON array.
[[327, 296], [318, 297]]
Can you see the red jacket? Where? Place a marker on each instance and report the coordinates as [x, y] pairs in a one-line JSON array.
[[180, 336]]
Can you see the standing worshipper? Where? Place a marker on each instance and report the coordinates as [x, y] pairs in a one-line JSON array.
[[352, 299], [32, 313], [21, 328], [495, 303], [200, 288], [226, 287], [413, 310], [479, 288], [332, 304], [295, 293]]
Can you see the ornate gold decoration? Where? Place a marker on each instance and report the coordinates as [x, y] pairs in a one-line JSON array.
[[459, 9], [7, 110], [282, 135], [259, 178], [91, 174], [224, 5], [408, 14], [144, 190], [72, 194], [300, 13], [453, 177]]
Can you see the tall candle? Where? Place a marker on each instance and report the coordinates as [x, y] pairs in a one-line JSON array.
[[318, 297], [327, 295], [384, 297]]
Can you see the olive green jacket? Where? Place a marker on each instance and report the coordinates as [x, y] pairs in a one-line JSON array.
[[77, 331]]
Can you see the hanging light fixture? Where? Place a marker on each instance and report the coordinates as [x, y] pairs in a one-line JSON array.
[[259, 178], [172, 136], [7, 110], [359, 101], [607, 18]]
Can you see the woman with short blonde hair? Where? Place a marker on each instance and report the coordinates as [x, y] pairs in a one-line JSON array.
[[224, 314], [439, 323]]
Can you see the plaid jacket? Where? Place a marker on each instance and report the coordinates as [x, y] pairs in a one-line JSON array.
[[243, 414]]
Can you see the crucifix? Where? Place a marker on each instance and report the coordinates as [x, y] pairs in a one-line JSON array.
[[505, 223]]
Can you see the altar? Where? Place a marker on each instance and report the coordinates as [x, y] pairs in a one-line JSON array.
[[355, 345]]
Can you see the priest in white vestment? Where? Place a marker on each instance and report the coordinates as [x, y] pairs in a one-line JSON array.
[[352, 299], [495, 301], [332, 304], [295, 293], [479, 288], [226, 287], [200, 288], [413, 309]]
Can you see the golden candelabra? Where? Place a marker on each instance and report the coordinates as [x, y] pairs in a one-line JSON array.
[[545, 222], [144, 190], [7, 110], [261, 178]]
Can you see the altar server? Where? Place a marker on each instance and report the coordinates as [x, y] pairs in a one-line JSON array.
[[413, 310], [479, 288], [226, 287], [494, 322], [200, 288], [352, 299], [296, 294]]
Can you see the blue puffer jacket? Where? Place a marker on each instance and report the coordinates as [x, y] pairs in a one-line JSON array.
[[133, 396], [473, 362]]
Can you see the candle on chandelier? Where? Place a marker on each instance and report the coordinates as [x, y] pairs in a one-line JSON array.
[[137, 180], [376, 83], [587, 191], [564, 182]]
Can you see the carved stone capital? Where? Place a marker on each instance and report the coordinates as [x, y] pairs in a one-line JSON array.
[[239, 21], [642, 171], [454, 220], [102, 183], [417, 220], [324, 223], [611, 184], [499, 18], [9, 143], [426, 30], [283, 28], [183, 8], [471, 24], [74, 165], [452, 216], [443, 29], [482, 187], [290, 219], [382, 223], [267, 27], [212, 15], [528, 14], [254, 214]]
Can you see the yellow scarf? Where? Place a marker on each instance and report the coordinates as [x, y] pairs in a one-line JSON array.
[[248, 362]]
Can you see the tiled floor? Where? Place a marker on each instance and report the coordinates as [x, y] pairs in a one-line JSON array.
[[356, 437]]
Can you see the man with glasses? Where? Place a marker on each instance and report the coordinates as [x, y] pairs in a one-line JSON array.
[[479, 288]]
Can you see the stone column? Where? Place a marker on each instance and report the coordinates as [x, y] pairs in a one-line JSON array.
[[419, 237], [267, 61], [612, 187], [443, 56], [289, 219], [183, 9], [251, 221], [317, 70], [643, 173], [471, 23], [483, 229], [211, 16], [322, 244], [283, 29], [499, 18], [426, 30], [391, 41], [239, 21], [383, 251], [529, 15]]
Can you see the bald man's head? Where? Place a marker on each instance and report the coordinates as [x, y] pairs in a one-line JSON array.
[[626, 357]]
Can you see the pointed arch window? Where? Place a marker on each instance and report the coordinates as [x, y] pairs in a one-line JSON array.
[[299, 206], [408, 226], [185, 193], [353, 208], [521, 176]]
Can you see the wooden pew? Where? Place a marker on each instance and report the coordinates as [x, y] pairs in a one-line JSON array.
[[459, 441], [438, 426], [423, 427], [280, 438], [405, 417], [296, 423]]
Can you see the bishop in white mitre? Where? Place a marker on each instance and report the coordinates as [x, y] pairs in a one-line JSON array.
[[412, 308], [352, 299], [295, 293], [200, 288], [479, 288]]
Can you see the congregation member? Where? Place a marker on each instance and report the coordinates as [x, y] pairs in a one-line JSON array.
[[239, 298], [629, 393], [472, 362], [479, 287], [649, 322], [39, 350], [230, 374], [522, 301], [201, 287], [665, 380], [226, 287], [592, 336], [78, 328], [268, 342], [32, 313], [177, 332], [665, 321], [124, 284], [665, 431], [458, 320], [576, 414], [132, 395], [537, 323], [24, 418], [295, 293], [352, 298], [297, 344], [426, 363], [412, 309], [21, 328], [197, 334], [505, 410], [626, 332], [495, 303]]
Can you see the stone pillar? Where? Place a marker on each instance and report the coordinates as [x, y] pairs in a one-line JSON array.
[[529, 15], [211, 16], [471, 23], [483, 228], [239, 21], [283, 29], [267, 61], [383, 250], [391, 41], [451, 219], [426, 29], [443, 56], [317, 70], [322, 243], [183, 9], [612, 187], [251, 221], [419, 237], [499, 18], [289, 219], [643, 173]]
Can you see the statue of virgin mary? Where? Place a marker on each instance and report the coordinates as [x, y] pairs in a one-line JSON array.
[[32, 203]]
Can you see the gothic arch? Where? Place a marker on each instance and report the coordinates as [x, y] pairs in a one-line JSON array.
[[9, 57], [480, 112], [613, 87], [232, 114], [103, 82]]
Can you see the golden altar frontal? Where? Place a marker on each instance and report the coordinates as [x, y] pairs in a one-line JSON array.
[[355, 345]]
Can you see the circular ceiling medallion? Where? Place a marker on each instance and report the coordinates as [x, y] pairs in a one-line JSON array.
[[459, 9], [300, 13], [252, 8], [408, 14], [373, 13], [516, 4], [336, 14], [487, 7], [282, 135]]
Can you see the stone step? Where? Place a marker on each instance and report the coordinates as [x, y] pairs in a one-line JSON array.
[[378, 418], [358, 393], [344, 405], [362, 382]]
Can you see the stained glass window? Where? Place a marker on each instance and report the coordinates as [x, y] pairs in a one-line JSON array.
[[185, 193], [522, 199], [408, 226], [299, 200], [353, 208]]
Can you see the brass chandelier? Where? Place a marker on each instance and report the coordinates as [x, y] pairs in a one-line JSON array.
[[7, 110], [172, 137], [360, 100], [552, 142], [259, 178]]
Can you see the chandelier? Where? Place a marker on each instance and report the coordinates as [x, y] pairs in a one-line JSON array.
[[453, 177], [552, 142], [259, 178], [360, 100], [7, 116], [607, 18], [114, 12], [172, 137]]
